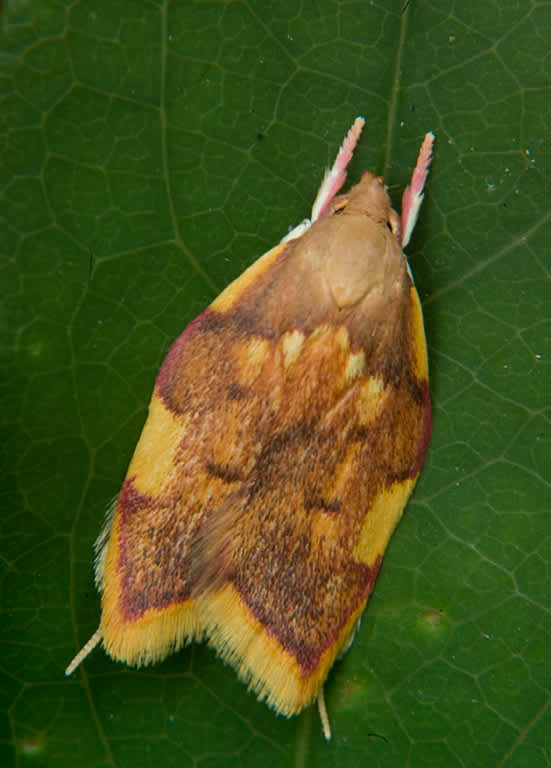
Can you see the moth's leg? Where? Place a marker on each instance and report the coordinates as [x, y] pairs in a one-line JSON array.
[[324, 717], [335, 178], [413, 193], [84, 651]]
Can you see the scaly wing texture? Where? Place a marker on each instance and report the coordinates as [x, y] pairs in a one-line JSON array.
[[281, 446]]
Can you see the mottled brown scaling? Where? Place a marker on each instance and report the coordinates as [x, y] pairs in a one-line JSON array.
[[286, 431]]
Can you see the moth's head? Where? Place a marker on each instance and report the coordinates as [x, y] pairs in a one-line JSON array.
[[369, 196]]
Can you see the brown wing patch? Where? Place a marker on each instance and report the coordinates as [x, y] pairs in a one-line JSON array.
[[263, 489]]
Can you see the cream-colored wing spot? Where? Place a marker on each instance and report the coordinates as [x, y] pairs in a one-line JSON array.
[[355, 366], [291, 345], [252, 357], [371, 399]]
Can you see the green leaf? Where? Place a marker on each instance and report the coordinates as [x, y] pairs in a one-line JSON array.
[[150, 152]]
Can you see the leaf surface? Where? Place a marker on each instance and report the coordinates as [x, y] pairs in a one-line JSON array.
[[150, 152]]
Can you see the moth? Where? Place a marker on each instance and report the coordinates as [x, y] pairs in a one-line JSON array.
[[287, 428]]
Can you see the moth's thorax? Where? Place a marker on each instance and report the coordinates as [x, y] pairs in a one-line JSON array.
[[361, 259], [356, 249]]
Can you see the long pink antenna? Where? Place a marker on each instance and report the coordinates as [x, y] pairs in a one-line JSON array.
[[335, 178], [413, 193]]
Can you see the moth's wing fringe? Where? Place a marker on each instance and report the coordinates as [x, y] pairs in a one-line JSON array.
[[222, 619], [154, 636], [269, 671], [100, 545]]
